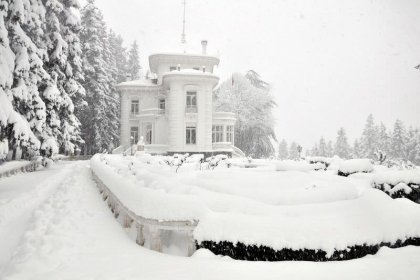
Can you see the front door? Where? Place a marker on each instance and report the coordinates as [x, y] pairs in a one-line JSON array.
[[148, 133]]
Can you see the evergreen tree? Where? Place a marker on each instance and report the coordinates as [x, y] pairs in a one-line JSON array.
[[398, 141], [14, 129], [315, 150], [293, 151], [283, 152], [73, 77], [357, 151], [120, 55], [342, 147], [413, 146], [383, 139], [330, 149], [25, 34], [95, 117], [254, 129], [133, 67], [322, 147], [369, 140]]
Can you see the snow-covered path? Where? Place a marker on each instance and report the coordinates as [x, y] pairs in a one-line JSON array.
[[63, 230]]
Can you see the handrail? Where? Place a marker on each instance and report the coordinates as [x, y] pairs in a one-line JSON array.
[[29, 167]]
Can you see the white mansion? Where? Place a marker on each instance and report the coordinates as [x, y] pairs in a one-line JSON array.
[[174, 112]]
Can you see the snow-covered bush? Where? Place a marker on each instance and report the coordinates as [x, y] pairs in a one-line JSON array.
[[352, 166], [399, 184], [216, 160], [325, 161], [291, 165]]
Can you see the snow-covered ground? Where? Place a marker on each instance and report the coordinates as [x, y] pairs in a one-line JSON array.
[[60, 228]]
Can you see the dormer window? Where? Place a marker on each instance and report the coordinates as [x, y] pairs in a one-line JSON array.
[[172, 68]]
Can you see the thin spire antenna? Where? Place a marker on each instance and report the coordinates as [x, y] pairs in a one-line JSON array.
[[183, 39]]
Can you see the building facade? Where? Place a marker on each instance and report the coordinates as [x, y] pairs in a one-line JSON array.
[[174, 111]]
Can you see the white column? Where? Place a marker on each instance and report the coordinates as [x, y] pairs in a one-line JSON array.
[[125, 121]]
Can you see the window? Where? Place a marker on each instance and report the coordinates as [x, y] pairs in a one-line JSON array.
[[190, 135], [148, 133], [217, 135], [134, 107], [196, 68], [172, 68], [229, 133], [162, 103], [134, 134], [191, 99]]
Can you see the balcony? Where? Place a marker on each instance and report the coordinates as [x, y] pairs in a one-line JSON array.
[[152, 112], [191, 109]]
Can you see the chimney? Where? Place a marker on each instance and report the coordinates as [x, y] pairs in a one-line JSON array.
[[204, 46]]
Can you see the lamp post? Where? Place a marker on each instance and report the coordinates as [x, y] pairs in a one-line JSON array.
[[131, 144]]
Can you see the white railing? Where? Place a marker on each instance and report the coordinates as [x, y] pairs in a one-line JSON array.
[[156, 148], [155, 228], [225, 146], [191, 109], [29, 167], [118, 150]]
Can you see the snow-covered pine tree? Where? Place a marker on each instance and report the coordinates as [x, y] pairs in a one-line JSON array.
[[283, 152], [315, 151], [322, 147], [14, 129], [112, 97], [120, 54], [70, 29], [98, 118], [59, 107], [413, 146], [369, 139], [356, 151], [383, 139], [293, 151], [25, 24], [133, 64], [253, 106], [342, 147], [330, 149], [399, 141]]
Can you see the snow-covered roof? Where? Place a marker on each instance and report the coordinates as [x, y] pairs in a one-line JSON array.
[[136, 83], [181, 58], [190, 73]]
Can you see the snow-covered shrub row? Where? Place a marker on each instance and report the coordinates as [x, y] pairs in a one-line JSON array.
[[352, 166], [241, 251], [370, 221]]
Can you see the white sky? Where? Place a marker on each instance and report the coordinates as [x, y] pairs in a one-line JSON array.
[[330, 62]]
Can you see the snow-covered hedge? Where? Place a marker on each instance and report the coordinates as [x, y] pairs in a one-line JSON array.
[[241, 251], [314, 232], [352, 166], [399, 183]]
